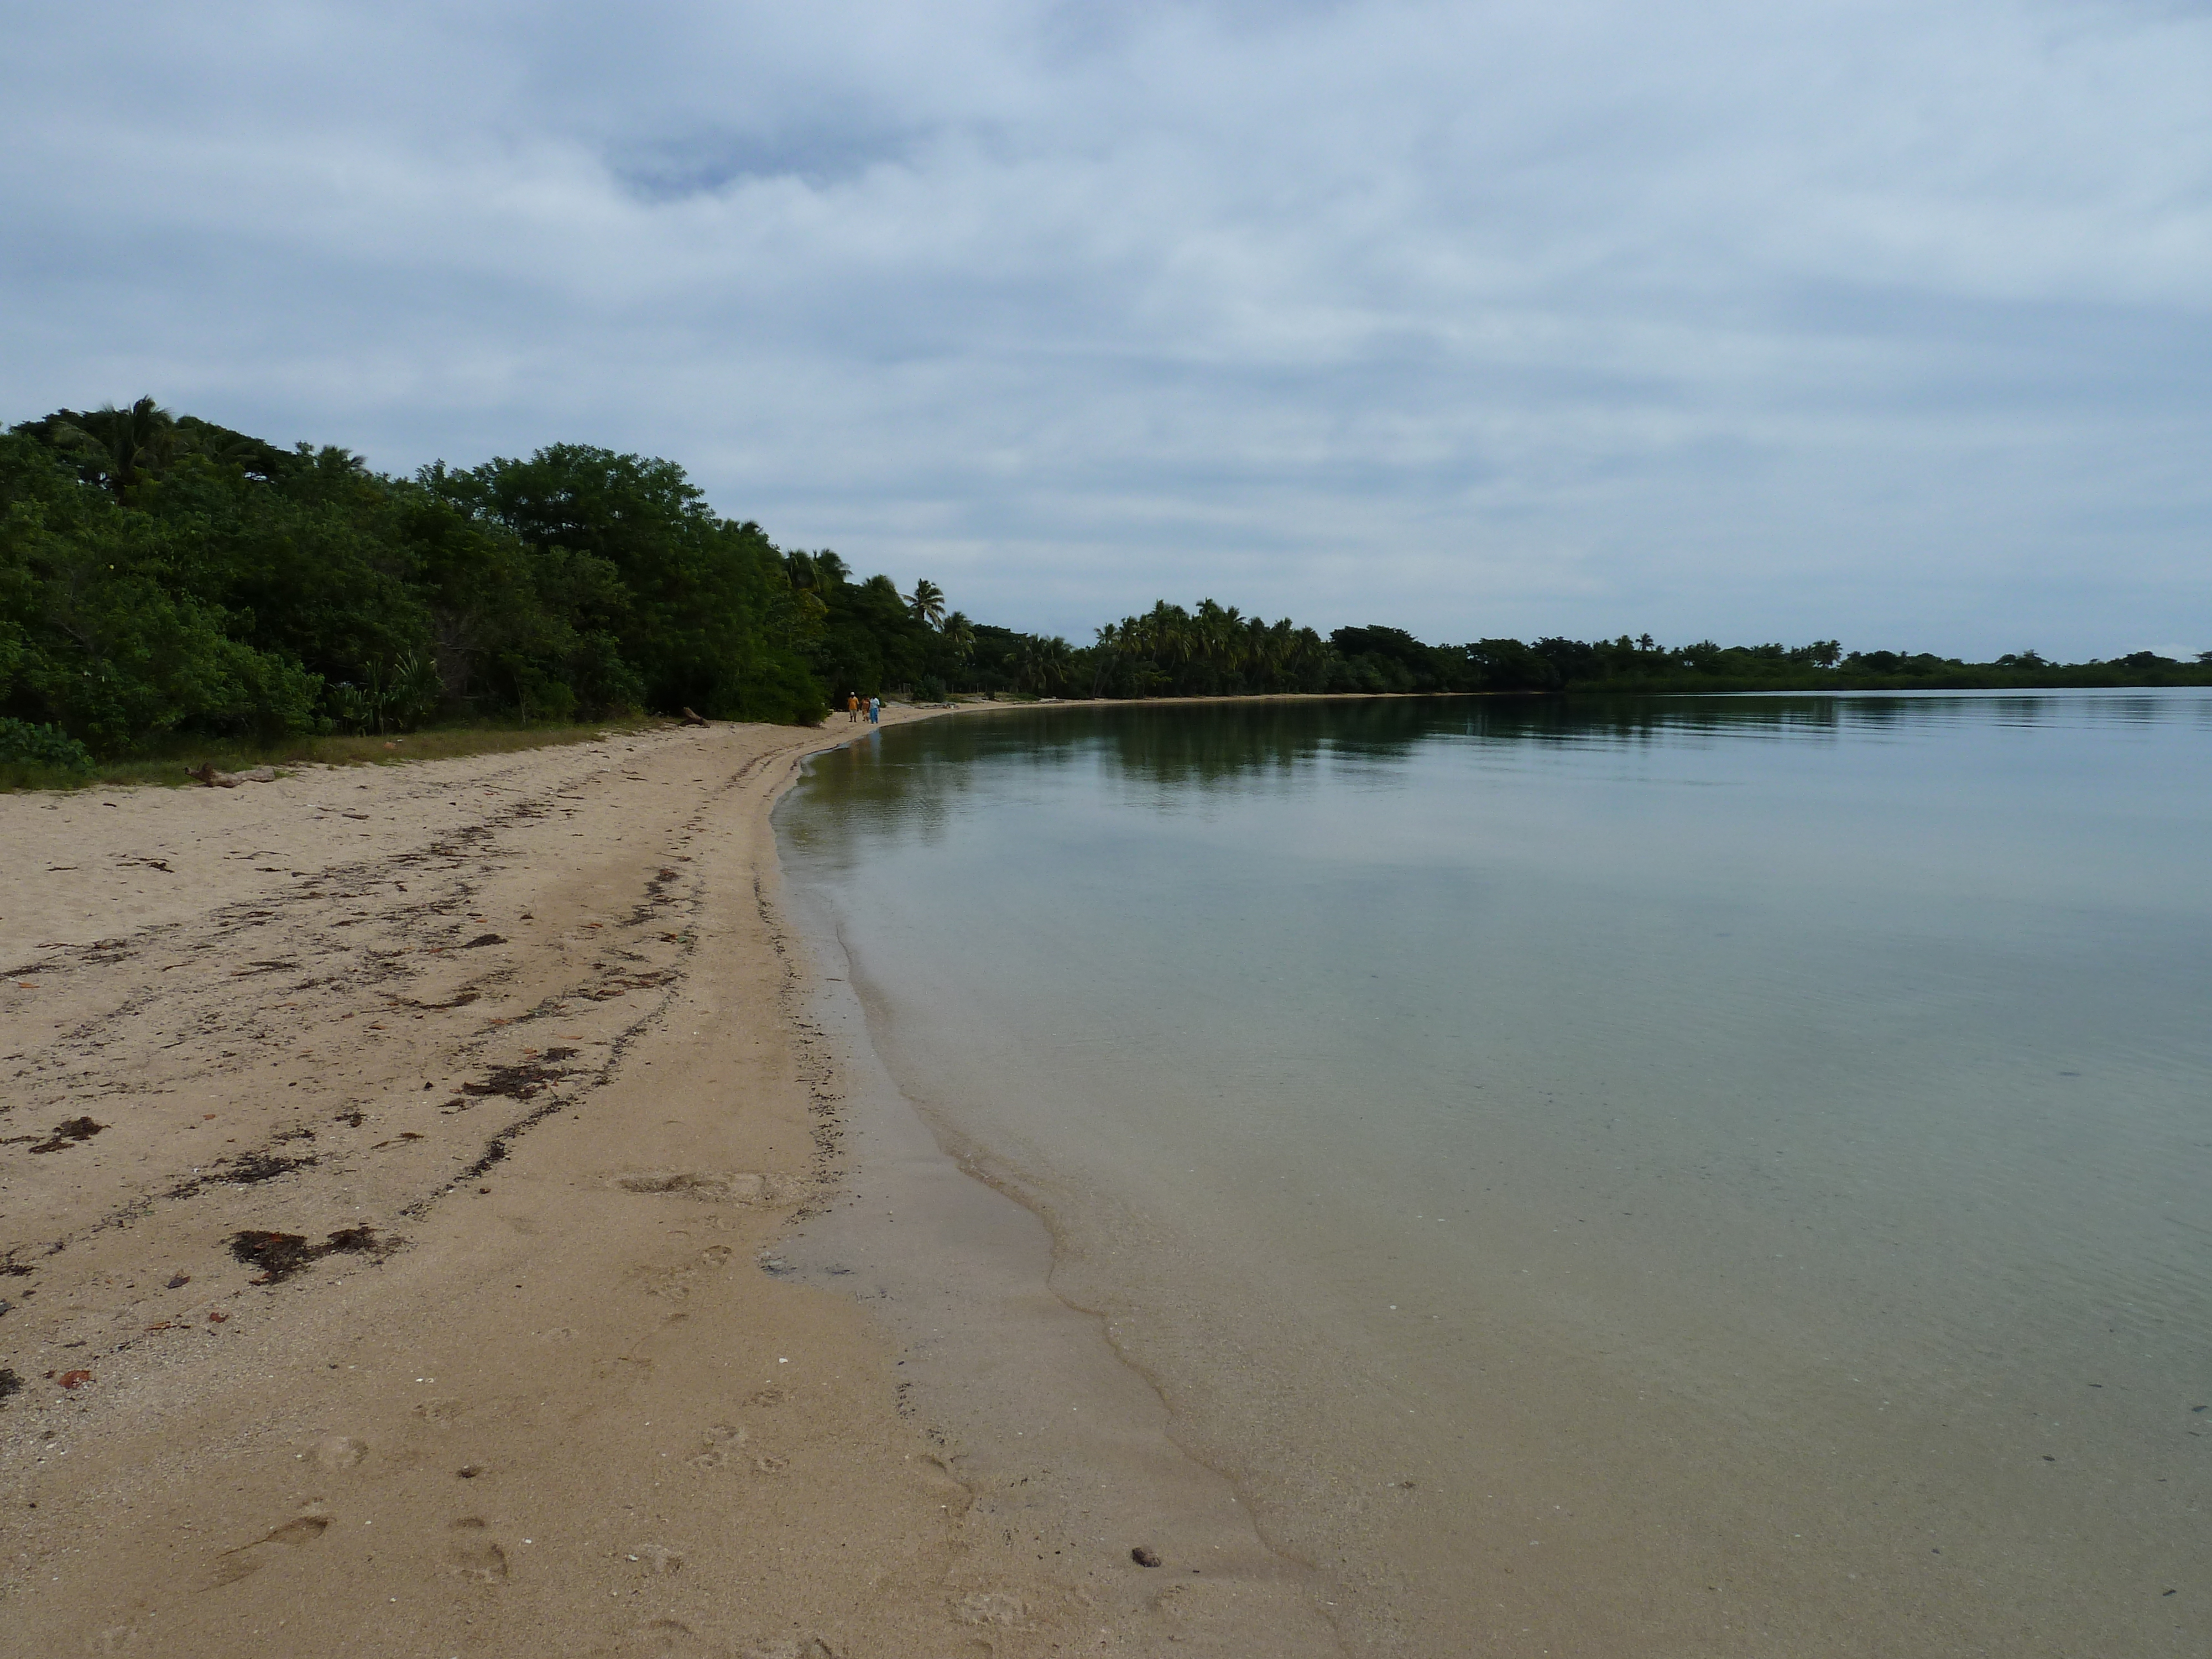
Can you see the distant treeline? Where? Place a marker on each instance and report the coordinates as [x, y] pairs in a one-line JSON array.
[[1387, 658], [161, 576]]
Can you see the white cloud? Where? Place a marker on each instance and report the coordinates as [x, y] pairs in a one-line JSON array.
[[1882, 321]]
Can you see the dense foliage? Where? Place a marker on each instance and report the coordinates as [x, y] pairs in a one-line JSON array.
[[1213, 651], [162, 575]]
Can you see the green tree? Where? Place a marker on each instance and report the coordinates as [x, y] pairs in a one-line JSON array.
[[115, 447], [700, 605]]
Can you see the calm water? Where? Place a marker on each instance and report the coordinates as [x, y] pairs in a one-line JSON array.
[[1687, 1176]]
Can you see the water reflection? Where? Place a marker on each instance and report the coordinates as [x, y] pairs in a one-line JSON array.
[[1173, 747], [1835, 1064]]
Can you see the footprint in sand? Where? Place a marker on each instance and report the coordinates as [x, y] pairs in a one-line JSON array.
[[674, 1284], [440, 1411], [657, 1559], [340, 1451], [472, 1554], [719, 1450], [998, 1608], [663, 1638], [809, 1647], [238, 1563], [720, 1447]]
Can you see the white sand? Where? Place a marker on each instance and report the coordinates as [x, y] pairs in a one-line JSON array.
[[552, 1405]]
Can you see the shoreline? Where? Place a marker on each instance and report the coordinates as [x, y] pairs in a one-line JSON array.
[[1070, 1447], [407, 1293]]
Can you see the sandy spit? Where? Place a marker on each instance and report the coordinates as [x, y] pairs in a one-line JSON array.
[[389, 1157]]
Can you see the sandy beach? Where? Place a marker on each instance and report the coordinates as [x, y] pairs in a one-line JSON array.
[[395, 1160]]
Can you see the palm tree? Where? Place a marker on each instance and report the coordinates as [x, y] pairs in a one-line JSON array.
[[927, 602], [1041, 664], [959, 634], [1219, 635], [830, 570], [1105, 657], [1167, 633], [118, 445]]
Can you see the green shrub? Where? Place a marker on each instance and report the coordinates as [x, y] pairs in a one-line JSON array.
[[22, 743]]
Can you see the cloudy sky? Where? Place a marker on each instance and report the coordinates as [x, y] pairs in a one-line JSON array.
[[1884, 321]]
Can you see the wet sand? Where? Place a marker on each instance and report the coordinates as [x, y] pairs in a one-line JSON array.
[[419, 1288]]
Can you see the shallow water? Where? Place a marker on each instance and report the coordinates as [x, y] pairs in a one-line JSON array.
[[1688, 1176]]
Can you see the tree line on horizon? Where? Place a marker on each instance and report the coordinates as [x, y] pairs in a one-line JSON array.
[[163, 577]]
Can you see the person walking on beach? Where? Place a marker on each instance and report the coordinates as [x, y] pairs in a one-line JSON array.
[[875, 710], [852, 706]]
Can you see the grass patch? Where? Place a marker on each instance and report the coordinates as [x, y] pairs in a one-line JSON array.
[[165, 765]]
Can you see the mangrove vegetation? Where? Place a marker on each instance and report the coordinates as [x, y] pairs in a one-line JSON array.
[[163, 578]]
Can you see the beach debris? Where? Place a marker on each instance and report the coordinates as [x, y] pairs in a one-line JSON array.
[[692, 718], [70, 1133], [206, 774], [470, 1471], [254, 1167], [523, 1081], [716, 1186], [10, 1382], [458, 1000], [178, 1281], [72, 1380], [1144, 1557], [481, 939], [279, 1255]]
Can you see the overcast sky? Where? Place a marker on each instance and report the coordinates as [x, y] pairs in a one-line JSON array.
[[1888, 322]]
